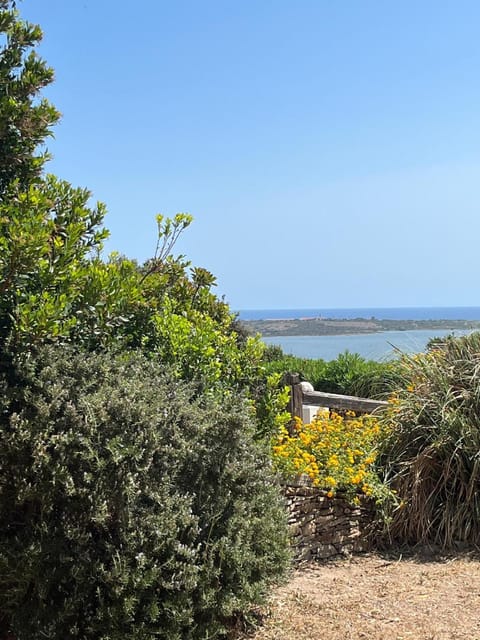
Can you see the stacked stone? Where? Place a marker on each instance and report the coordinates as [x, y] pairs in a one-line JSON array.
[[323, 527]]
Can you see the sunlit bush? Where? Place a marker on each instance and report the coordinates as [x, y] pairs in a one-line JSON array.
[[348, 374], [335, 452]]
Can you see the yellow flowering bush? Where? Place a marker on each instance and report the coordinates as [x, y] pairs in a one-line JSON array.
[[335, 452]]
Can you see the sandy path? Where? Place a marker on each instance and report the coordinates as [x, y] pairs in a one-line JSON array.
[[377, 598]]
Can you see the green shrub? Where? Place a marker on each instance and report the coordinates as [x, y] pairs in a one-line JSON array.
[[272, 353], [55, 287], [431, 457], [131, 506], [309, 369], [348, 374]]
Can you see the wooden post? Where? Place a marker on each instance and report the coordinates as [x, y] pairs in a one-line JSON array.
[[296, 398]]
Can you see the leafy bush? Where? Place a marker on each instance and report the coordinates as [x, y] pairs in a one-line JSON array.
[[56, 287], [335, 452], [348, 374], [26, 117], [130, 505], [270, 400], [312, 370], [351, 374], [272, 353], [377, 380], [431, 457]]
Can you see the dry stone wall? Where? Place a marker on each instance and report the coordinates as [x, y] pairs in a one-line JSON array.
[[323, 527]]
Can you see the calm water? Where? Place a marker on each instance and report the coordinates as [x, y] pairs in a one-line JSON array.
[[374, 346]]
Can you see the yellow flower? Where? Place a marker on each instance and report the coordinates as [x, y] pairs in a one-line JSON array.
[[332, 451]]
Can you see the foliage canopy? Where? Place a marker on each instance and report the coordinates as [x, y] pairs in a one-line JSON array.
[[26, 119], [134, 500]]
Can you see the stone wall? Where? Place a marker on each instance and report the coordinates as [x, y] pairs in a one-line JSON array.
[[323, 527]]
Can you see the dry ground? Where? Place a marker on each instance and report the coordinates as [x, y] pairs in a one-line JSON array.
[[375, 597]]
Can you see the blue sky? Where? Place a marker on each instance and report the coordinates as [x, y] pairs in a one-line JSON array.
[[328, 151]]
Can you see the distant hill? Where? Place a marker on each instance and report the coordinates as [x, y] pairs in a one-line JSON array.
[[331, 326]]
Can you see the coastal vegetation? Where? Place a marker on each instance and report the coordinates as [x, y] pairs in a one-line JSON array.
[[420, 455], [335, 452], [348, 374], [132, 504], [431, 454], [143, 428], [136, 493]]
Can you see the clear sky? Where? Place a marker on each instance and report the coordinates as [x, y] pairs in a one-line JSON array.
[[329, 151]]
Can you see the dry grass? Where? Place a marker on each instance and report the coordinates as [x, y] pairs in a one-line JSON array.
[[376, 597]]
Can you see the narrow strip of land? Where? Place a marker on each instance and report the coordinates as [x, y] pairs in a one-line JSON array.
[[333, 326]]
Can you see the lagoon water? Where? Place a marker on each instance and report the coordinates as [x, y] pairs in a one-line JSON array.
[[374, 346]]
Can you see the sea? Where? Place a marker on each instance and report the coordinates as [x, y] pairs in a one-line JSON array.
[[372, 346]]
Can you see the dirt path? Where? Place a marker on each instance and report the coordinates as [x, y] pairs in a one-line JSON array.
[[378, 598]]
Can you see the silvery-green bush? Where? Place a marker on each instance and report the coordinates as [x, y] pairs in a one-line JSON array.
[[131, 506]]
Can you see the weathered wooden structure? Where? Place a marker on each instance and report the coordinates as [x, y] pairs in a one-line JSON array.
[[299, 398]]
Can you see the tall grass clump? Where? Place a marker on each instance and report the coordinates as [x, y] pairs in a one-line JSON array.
[[432, 454]]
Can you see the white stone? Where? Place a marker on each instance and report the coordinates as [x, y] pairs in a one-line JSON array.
[[310, 411], [306, 386]]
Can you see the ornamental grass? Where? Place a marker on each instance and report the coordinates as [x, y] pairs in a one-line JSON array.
[[431, 456]]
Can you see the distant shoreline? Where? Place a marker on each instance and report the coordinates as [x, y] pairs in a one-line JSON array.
[[335, 326]]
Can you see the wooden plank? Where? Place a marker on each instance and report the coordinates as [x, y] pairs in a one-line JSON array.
[[336, 401]]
